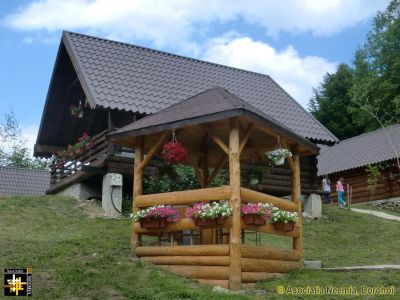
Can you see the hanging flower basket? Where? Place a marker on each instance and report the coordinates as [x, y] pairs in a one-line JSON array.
[[256, 213], [156, 216], [209, 214], [77, 110], [173, 151], [277, 157]]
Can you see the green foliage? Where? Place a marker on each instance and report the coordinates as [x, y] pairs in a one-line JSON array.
[[13, 149], [331, 101], [372, 177], [347, 99], [255, 173], [176, 178]]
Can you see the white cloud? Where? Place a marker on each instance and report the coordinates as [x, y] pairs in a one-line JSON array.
[[178, 21], [186, 26], [297, 75], [29, 134]]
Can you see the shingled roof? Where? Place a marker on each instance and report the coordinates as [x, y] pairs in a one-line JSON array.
[[17, 181], [126, 77], [368, 148], [211, 105]]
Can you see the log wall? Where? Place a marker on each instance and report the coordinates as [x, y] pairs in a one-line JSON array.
[[386, 185], [278, 180], [210, 263]]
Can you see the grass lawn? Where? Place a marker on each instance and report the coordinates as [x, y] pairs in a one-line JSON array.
[[77, 257]]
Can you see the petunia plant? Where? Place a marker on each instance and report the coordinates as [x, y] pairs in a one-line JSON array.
[[168, 213]]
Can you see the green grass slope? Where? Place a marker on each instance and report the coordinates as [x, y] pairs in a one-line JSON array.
[[77, 257]]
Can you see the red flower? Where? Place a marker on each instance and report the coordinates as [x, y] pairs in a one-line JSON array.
[[84, 136], [174, 152]]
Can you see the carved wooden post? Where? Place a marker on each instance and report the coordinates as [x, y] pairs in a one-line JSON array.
[[296, 195], [235, 274], [137, 185]]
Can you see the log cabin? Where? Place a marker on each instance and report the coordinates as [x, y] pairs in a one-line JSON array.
[[111, 84], [350, 158]]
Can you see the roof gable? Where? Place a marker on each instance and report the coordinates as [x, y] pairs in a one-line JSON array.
[[359, 151], [126, 77]]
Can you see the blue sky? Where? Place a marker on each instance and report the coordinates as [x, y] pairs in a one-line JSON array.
[[294, 41]]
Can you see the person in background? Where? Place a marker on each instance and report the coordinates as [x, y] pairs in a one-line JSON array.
[[326, 187], [340, 191]]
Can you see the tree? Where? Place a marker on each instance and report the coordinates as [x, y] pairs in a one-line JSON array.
[[377, 72], [332, 101], [13, 149]]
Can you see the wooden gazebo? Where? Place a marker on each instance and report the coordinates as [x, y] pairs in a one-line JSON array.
[[216, 127]]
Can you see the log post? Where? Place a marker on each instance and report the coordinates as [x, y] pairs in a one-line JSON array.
[[235, 273], [296, 197], [137, 187]]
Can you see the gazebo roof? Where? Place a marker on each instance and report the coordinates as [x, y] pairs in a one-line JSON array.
[[209, 106]]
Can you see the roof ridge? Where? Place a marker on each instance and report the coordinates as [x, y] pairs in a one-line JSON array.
[[221, 89], [368, 133]]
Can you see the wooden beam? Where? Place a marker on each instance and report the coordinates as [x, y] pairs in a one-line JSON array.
[[200, 175], [268, 252], [156, 147], [137, 186], [235, 271], [289, 159], [188, 260], [254, 196], [270, 266], [47, 149], [246, 136], [216, 139], [218, 167], [184, 197], [296, 197], [206, 250]]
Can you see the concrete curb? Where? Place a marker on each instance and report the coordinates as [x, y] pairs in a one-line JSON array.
[[360, 268], [377, 214]]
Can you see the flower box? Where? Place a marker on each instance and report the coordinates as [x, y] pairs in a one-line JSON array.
[[284, 227], [253, 219], [209, 222], [153, 223], [156, 216], [209, 214]]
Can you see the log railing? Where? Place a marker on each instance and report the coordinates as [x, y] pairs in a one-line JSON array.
[[93, 155], [184, 198]]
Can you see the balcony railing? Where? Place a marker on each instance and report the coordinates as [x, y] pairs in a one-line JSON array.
[[93, 154]]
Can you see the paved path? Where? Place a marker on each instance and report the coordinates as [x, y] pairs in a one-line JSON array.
[[377, 214], [355, 268]]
